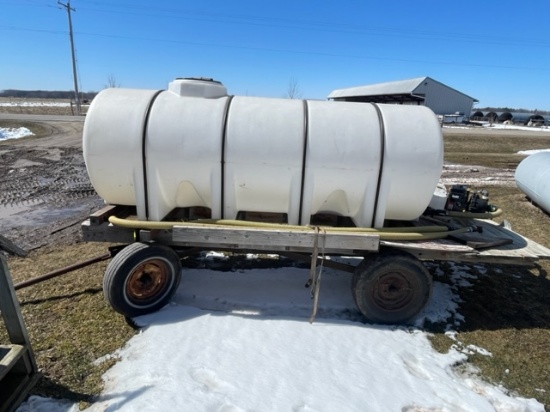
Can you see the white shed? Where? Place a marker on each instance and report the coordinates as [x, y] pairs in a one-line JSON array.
[[442, 99]]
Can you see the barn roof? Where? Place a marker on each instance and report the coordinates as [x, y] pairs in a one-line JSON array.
[[396, 88]]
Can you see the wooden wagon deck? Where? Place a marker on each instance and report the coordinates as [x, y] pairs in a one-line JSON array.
[[494, 243]]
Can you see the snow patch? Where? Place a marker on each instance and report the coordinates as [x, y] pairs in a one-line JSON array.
[[14, 133], [34, 104], [532, 152], [241, 341]]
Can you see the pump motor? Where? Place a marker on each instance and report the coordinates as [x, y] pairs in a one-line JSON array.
[[462, 199], [457, 200]]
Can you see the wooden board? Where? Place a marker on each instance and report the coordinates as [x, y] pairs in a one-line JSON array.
[[106, 232], [9, 355], [18, 371], [273, 239], [11, 247]]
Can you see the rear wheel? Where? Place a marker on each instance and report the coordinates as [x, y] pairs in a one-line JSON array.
[[391, 287], [141, 278]]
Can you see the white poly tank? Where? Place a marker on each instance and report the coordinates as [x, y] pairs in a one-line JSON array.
[[193, 145], [533, 178]]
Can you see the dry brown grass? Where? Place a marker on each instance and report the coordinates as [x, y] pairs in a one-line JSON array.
[[507, 310], [492, 150], [69, 322]]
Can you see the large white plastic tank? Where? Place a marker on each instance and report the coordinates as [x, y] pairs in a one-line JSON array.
[[533, 178], [192, 145]]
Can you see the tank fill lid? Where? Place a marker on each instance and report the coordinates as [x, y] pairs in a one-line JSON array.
[[197, 87]]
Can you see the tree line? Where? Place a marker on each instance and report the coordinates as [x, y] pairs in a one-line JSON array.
[[45, 94]]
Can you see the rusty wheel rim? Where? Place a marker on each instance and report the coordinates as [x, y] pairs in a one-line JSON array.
[[148, 280], [392, 291]]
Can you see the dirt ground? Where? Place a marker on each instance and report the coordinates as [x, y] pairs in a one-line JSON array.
[[45, 192]]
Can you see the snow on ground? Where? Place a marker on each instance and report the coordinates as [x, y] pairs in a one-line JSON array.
[[532, 152], [14, 133], [502, 126], [241, 341], [34, 104]]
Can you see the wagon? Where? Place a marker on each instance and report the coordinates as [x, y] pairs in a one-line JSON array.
[[333, 170], [390, 284]]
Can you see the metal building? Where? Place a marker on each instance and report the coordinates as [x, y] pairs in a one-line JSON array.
[[523, 118], [442, 99]]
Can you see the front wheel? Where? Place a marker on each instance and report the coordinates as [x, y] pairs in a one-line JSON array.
[[141, 279], [391, 287]]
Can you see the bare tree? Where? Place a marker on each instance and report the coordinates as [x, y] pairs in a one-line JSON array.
[[293, 91], [111, 81]]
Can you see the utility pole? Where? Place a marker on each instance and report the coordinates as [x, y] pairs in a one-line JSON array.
[[77, 94]]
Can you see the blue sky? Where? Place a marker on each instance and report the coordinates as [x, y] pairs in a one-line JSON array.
[[495, 51]]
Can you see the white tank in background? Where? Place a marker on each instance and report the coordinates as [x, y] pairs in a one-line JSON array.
[[193, 145], [533, 178]]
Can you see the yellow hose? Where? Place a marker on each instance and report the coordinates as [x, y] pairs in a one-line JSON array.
[[469, 215], [421, 236], [403, 233], [246, 223]]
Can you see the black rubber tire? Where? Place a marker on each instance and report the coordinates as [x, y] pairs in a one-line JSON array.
[[141, 279], [391, 287], [366, 262]]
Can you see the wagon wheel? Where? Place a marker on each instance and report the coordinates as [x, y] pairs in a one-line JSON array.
[[391, 287], [141, 278]]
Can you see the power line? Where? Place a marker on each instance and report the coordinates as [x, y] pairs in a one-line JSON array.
[[302, 24], [278, 50], [313, 53], [309, 25], [13, 28]]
